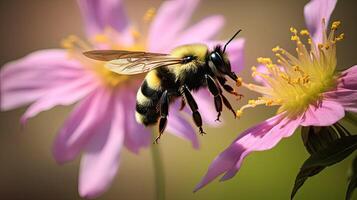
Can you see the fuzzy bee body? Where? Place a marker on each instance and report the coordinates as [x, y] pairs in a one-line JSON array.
[[170, 76]]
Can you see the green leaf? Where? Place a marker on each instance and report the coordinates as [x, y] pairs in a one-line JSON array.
[[332, 153], [352, 180]]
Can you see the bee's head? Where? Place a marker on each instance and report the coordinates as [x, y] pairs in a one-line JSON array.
[[219, 62]]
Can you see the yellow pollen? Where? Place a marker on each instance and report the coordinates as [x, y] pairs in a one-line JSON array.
[[294, 38], [239, 113], [254, 68], [340, 37], [101, 38], [276, 49], [264, 60], [304, 32], [239, 82], [335, 25], [293, 30], [149, 15], [309, 41]]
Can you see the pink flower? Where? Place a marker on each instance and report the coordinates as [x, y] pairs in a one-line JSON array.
[[307, 88], [103, 120]]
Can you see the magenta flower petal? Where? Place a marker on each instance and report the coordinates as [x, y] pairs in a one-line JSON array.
[[66, 94], [98, 15], [100, 161], [264, 136], [235, 51], [325, 113], [261, 69], [23, 81], [314, 12], [82, 124], [201, 32], [179, 126], [206, 107], [346, 97], [172, 17], [348, 79], [346, 91]]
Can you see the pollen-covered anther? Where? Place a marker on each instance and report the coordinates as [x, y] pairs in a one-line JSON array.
[[101, 38], [294, 38], [293, 30], [253, 68], [252, 103], [340, 37], [239, 113], [304, 32], [335, 25], [264, 61], [239, 82], [276, 49], [320, 46]]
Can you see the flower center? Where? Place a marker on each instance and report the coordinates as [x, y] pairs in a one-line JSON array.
[[295, 82], [106, 40]]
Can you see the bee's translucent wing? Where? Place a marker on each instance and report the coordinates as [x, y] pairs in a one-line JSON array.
[[132, 62]]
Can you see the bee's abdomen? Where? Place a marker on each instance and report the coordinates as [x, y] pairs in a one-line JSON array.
[[147, 99]]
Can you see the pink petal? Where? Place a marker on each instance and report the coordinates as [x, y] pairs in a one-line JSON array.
[[314, 12], [136, 135], [65, 94], [346, 97], [171, 18], [348, 79], [262, 137], [202, 31], [346, 91], [98, 15], [325, 113], [261, 69], [235, 51], [206, 107], [29, 78], [100, 161], [177, 125], [84, 121]]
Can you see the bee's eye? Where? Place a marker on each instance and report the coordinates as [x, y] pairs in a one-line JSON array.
[[218, 61]]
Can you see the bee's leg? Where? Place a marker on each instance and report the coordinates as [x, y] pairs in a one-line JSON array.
[[215, 91], [228, 105], [225, 100], [164, 112], [228, 88], [193, 105]]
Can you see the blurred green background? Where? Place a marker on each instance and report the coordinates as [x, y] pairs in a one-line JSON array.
[[28, 171]]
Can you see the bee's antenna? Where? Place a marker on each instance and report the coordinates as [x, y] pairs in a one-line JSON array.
[[230, 40]]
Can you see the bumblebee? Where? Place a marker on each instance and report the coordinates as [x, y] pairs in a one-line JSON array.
[[170, 76]]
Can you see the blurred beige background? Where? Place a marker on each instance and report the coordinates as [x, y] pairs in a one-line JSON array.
[[28, 171]]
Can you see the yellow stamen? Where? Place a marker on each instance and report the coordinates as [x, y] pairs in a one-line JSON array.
[[304, 32], [299, 80], [335, 25]]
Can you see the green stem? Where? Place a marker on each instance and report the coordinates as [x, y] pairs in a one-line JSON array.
[[158, 171]]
